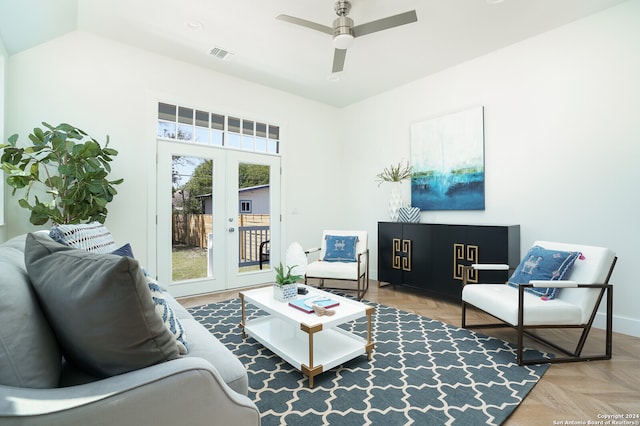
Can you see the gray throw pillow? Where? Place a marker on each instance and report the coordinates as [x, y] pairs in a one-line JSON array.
[[29, 354], [99, 307]]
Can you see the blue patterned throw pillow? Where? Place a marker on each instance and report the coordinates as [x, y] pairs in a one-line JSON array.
[[542, 264], [125, 250], [168, 315], [340, 248]]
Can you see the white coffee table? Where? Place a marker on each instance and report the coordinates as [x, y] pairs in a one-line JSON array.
[[310, 343]]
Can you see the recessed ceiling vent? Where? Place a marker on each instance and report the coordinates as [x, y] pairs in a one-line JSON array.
[[221, 53]]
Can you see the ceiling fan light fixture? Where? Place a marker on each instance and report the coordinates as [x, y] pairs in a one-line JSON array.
[[342, 41], [342, 35]]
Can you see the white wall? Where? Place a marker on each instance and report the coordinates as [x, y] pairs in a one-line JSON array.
[[109, 88], [562, 140], [3, 66]]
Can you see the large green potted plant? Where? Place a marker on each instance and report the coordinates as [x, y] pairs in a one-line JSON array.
[[71, 169]]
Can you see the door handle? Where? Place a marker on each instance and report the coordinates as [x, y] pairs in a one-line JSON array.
[[232, 229]]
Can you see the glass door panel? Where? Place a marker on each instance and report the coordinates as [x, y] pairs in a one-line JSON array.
[[191, 217], [254, 217], [253, 201]]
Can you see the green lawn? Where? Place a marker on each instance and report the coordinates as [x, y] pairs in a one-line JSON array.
[[188, 262]]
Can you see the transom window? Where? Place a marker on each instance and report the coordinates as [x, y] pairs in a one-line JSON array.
[[193, 125]]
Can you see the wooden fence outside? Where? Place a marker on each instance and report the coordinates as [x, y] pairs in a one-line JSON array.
[[253, 229]]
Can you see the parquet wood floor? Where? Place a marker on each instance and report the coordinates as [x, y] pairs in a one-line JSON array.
[[572, 393]]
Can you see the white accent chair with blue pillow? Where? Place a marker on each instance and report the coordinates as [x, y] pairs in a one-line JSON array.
[[556, 285], [344, 256]]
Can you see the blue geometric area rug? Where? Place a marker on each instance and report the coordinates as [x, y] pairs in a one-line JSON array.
[[422, 372]]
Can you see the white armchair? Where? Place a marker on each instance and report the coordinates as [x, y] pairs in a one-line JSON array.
[[578, 295], [344, 256]]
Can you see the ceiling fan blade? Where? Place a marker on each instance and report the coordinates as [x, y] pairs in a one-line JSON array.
[[385, 23], [338, 60], [305, 23]]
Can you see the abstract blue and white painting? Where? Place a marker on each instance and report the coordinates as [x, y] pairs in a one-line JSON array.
[[447, 159]]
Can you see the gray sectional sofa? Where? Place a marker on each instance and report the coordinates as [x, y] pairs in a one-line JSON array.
[[71, 354]]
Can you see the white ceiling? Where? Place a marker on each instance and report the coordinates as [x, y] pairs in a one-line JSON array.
[[293, 58]]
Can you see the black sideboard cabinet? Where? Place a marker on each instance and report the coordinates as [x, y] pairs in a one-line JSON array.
[[430, 256]]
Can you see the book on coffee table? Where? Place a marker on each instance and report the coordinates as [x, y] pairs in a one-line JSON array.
[[307, 304]]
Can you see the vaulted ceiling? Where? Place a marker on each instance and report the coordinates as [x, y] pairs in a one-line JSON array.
[[291, 57]]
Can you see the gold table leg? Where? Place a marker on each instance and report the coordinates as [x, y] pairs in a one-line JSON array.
[[242, 323], [310, 370], [370, 345]]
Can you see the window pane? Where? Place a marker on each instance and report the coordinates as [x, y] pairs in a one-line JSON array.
[[167, 112], [274, 132], [247, 143], [273, 147], [185, 133], [217, 138], [166, 130], [202, 118], [217, 121], [234, 124], [247, 127], [261, 145], [233, 140], [202, 134], [185, 115], [261, 130]]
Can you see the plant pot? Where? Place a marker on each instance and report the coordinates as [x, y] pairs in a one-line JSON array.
[[284, 293]]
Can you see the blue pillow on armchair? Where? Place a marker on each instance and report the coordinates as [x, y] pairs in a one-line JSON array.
[[340, 248], [542, 264]]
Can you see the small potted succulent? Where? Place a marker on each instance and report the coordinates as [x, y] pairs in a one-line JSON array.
[[285, 287]]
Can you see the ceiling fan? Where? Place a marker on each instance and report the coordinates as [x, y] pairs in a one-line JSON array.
[[343, 30]]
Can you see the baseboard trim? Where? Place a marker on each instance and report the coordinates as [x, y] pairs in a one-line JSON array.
[[628, 326]]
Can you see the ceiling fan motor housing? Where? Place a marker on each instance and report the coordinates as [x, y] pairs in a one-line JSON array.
[[342, 7], [342, 35]]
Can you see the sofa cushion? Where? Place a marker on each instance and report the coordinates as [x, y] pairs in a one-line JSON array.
[[29, 354], [542, 264], [93, 237], [99, 307]]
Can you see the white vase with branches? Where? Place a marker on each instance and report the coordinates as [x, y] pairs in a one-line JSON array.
[[395, 174]]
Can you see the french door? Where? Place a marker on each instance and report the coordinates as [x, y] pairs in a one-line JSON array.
[[218, 217]]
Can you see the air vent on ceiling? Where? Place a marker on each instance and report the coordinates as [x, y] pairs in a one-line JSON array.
[[221, 53]]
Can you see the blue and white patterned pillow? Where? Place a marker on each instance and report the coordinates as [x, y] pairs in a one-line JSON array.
[[542, 264], [93, 237], [168, 315], [340, 248]]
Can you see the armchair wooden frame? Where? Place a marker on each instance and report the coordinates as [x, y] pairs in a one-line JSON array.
[[522, 329]]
